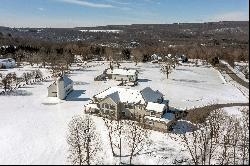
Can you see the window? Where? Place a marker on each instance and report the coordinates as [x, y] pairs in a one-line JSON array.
[[160, 100], [131, 106], [107, 106], [123, 113], [152, 113], [150, 122]]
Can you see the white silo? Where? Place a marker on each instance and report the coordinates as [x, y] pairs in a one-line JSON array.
[[60, 88]]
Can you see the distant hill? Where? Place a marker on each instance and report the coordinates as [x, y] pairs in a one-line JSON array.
[[179, 32]]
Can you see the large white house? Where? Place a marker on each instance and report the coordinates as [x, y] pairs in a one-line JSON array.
[[147, 106], [61, 87], [7, 63], [123, 74]]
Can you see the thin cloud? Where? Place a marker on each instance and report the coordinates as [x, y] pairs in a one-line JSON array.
[[231, 16], [41, 9], [118, 2], [121, 5], [88, 4]]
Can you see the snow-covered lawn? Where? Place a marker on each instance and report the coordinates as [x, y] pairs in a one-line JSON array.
[[33, 127], [190, 86]]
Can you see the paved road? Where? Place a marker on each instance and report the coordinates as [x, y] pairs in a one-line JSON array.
[[224, 68], [198, 115]]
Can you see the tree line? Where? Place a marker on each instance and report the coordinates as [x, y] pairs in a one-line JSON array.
[[47, 52]]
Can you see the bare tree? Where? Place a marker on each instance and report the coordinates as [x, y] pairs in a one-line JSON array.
[[27, 76], [83, 141], [166, 68], [245, 137], [118, 132], [115, 130], [38, 74], [111, 129], [221, 139], [196, 62], [68, 57], [8, 81], [138, 138], [137, 55]]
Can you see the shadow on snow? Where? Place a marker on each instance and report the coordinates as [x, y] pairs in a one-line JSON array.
[[75, 96]]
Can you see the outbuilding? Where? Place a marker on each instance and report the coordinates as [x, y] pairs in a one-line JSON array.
[[61, 87]]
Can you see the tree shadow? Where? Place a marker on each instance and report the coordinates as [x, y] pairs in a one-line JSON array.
[[49, 103], [150, 152], [188, 81], [88, 70], [75, 96], [17, 93], [182, 127], [37, 83], [205, 66], [184, 69], [144, 80], [28, 87]]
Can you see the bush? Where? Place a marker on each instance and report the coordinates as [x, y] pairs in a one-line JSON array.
[[214, 61]]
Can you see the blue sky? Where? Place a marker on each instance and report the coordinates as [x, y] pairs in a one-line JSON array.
[[72, 13]]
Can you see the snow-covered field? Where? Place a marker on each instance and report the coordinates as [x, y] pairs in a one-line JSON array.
[[33, 127]]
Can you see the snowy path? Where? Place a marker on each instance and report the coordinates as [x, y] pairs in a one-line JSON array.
[[210, 108]]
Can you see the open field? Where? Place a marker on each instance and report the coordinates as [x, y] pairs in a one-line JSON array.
[[33, 127]]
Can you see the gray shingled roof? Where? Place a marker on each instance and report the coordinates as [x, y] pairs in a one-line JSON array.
[[115, 97], [150, 95]]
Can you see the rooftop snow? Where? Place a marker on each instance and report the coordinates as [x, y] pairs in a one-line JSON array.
[[130, 95], [167, 118], [155, 107], [7, 60], [91, 105], [125, 95], [156, 119], [66, 80], [122, 71]]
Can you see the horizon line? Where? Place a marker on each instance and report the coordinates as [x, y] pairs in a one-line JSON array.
[[128, 24]]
